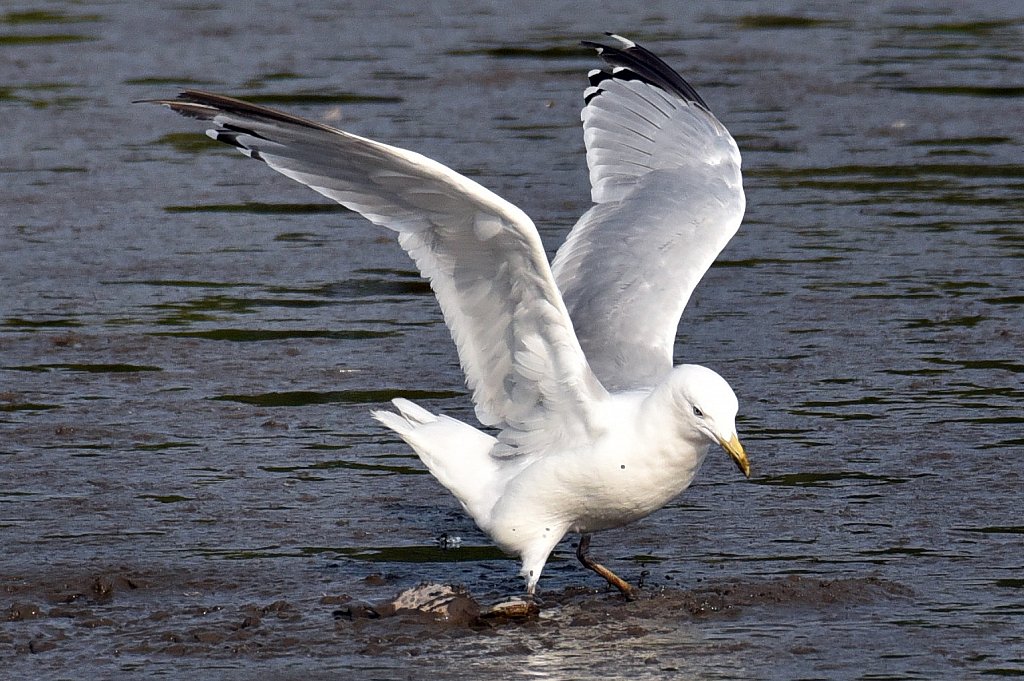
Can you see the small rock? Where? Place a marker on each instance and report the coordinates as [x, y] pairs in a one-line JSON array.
[[207, 636], [445, 603], [375, 580], [283, 610], [40, 646], [253, 617], [24, 611], [516, 608], [426, 597], [102, 588]]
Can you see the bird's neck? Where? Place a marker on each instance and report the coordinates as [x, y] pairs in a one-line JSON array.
[[660, 419]]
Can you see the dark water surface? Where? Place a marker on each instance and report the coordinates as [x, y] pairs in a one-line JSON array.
[[190, 483]]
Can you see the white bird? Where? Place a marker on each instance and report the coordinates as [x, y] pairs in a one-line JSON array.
[[570, 365]]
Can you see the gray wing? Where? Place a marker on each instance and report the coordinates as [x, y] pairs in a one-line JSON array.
[[665, 178], [483, 256]]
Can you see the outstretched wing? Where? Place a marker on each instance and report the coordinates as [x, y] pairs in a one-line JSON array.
[[665, 178], [483, 257]]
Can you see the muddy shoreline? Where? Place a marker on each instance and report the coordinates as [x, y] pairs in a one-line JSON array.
[[205, 614]]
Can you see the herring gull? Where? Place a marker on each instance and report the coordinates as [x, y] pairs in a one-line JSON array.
[[569, 364]]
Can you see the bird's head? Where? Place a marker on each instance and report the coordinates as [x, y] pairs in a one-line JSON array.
[[709, 408]]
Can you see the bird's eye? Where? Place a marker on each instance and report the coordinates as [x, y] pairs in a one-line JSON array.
[[697, 412]]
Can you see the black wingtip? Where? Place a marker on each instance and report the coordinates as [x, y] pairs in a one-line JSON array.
[[205, 105], [639, 63]]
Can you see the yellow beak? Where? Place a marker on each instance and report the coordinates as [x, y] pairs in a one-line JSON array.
[[735, 450]]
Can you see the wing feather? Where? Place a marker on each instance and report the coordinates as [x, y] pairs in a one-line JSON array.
[[482, 255], [665, 178]]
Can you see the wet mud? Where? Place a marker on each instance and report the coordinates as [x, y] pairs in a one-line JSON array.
[[146, 612]]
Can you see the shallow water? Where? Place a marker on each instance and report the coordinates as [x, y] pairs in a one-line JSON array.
[[190, 345]]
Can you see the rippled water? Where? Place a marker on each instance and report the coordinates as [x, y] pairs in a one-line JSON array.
[[190, 344]]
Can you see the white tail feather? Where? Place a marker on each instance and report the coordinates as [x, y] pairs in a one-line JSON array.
[[456, 453]]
